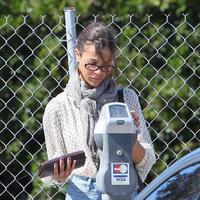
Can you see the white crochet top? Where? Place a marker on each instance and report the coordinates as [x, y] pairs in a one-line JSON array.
[[63, 131]]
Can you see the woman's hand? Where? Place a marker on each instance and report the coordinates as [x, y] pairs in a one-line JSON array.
[[136, 119], [61, 174], [138, 151]]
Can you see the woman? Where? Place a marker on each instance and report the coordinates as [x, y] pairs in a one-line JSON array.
[[69, 118]]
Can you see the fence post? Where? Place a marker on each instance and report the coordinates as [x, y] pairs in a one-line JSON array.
[[71, 37]]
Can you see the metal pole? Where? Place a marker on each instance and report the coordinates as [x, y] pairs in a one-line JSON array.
[[71, 37]]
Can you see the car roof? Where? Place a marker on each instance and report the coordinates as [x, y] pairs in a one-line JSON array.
[[187, 160]]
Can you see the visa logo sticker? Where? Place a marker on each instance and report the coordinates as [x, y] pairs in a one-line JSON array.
[[120, 174]]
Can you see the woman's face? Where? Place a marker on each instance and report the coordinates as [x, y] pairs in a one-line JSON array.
[[89, 61]]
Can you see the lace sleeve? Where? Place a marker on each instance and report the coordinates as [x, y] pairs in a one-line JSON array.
[[53, 134], [131, 99]]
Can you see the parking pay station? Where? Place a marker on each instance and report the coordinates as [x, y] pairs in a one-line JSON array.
[[115, 135]]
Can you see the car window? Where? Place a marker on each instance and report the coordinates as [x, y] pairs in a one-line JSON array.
[[182, 185]]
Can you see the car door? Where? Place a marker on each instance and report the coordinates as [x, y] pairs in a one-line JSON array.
[[180, 181], [184, 185]]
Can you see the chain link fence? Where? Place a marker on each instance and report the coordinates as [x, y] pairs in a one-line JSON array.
[[157, 57]]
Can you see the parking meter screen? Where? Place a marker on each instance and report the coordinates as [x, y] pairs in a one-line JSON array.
[[118, 111]]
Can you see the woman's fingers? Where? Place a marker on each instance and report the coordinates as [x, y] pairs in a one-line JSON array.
[[135, 118], [56, 172], [69, 164], [61, 172]]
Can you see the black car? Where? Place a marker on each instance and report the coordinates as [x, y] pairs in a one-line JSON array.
[[180, 181]]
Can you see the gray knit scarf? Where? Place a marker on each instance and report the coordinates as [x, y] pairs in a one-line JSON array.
[[90, 102]]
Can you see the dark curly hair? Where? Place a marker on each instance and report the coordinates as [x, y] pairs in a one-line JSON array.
[[99, 34]]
